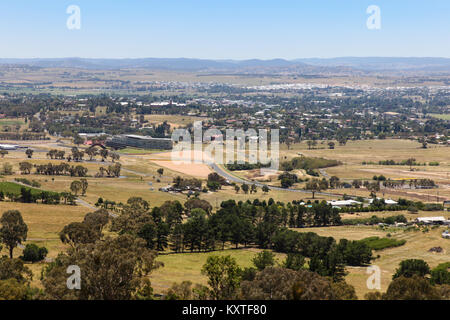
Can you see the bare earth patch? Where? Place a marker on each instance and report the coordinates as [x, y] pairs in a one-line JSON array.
[[185, 164]]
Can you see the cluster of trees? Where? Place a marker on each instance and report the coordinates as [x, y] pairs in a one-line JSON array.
[[375, 220], [265, 280], [414, 206], [327, 257], [408, 162], [379, 205], [414, 280], [313, 185], [23, 136], [54, 169], [32, 183], [117, 267], [242, 223], [56, 154], [27, 195], [306, 163], [15, 280], [77, 186], [245, 166], [46, 197], [109, 204], [414, 183], [215, 181], [103, 153], [316, 185], [64, 168], [287, 179], [187, 183], [112, 268], [375, 186], [112, 171], [250, 188], [376, 205], [87, 231], [78, 155]]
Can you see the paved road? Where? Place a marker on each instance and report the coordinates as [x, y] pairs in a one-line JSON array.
[[85, 204], [324, 173], [88, 205], [233, 178]]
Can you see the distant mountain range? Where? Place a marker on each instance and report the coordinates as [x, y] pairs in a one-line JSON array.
[[381, 63], [307, 65]]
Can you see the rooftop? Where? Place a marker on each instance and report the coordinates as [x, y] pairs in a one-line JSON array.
[[134, 136]]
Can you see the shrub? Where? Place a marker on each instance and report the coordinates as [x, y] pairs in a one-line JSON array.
[[412, 209], [376, 243], [440, 274], [33, 253], [245, 166], [412, 267], [307, 163]]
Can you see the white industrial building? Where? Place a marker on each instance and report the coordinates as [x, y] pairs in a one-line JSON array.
[[432, 220], [344, 203]]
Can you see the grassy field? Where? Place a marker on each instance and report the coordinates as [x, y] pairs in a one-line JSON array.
[[354, 153], [187, 266], [140, 178], [44, 223], [174, 120], [417, 245], [15, 188], [137, 151], [440, 116], [12, 122], [11, 187]]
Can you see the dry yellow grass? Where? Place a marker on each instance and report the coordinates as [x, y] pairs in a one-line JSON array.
[[355, 152], [174, 120], [417, 245], [46, 221], [188, 266]]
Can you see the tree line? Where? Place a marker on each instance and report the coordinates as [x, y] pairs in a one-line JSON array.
[[311, 262]]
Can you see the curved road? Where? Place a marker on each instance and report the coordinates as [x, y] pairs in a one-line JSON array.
[[233, 178]]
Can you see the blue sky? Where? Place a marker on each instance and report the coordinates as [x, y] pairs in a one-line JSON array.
[[228, 29]]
